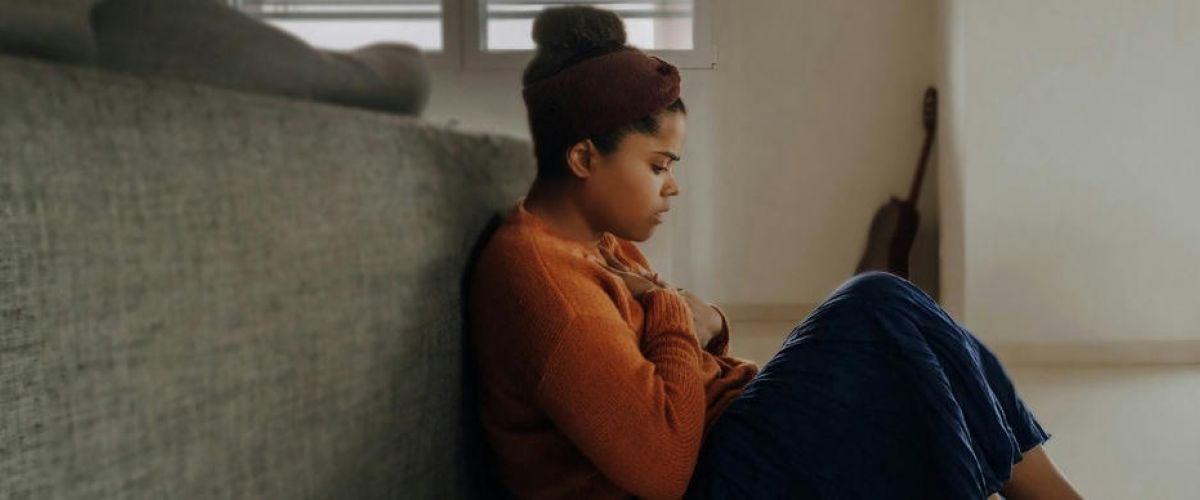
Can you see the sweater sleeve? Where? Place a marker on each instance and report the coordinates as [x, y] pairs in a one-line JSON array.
[[637, 412]]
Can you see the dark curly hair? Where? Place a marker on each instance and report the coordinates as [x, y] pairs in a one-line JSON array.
[[566, 36]]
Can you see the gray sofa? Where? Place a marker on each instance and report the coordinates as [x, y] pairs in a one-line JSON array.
[[210, 294]]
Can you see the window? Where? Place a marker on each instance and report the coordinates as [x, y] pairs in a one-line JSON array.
[[340, 25], [650, 24], [495, 33]]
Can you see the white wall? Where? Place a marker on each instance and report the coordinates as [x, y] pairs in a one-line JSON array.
[[810, 121], [1071, 169]]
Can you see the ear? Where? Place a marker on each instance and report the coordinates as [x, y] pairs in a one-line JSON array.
[[580, 158]]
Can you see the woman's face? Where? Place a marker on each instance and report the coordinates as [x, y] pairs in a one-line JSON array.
[[627, 192]]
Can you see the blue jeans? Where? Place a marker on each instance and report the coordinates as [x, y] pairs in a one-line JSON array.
[[878, 393]]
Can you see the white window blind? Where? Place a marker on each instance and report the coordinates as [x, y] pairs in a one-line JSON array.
[[345, 24], [650, 24], [483, 33]]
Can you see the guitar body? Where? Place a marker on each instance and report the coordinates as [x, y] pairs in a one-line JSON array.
[[894, 226]]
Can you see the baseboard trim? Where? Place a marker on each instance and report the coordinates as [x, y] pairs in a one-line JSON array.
[[1099, 352], [766, 312], [1074, 352]]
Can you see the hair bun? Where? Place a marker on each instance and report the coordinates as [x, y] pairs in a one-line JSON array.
[[577, 29]]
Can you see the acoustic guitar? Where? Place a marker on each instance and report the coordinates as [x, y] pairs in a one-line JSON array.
[[894, 226]]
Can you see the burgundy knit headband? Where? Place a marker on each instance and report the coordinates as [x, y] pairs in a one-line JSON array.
[[601, 93]]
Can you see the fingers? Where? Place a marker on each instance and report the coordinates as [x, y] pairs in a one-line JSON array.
[[617, 263], [613, 260], [621, 272], [628, 275], [653, 278], [612, 263]]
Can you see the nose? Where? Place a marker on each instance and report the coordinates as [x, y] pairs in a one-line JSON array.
[[671, 187]]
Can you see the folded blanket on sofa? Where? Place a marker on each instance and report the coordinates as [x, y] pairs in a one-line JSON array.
[[47, 29], [209, 42]]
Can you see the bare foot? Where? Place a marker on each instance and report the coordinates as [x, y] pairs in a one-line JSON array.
[[1035, 477]]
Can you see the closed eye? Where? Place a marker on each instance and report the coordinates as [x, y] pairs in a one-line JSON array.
[[659, 170]]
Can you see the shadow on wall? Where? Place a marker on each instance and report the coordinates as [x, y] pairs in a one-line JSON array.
[[480, 459]]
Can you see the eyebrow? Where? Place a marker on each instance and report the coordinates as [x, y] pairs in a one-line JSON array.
[[668, 154]]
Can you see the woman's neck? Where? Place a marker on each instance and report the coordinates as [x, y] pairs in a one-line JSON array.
[[552, 204]]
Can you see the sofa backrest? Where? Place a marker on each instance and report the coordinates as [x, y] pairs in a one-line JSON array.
[[209, 294]]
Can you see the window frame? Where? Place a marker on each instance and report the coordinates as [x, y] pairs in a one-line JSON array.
[[452, 29], [462, 44], [703, 54]]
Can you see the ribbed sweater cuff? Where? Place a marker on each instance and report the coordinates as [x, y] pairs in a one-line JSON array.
[[667, 311], [668, 330]]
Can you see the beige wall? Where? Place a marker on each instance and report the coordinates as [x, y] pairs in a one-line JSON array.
[[1072, 162], [1065, 174], [809, 122]]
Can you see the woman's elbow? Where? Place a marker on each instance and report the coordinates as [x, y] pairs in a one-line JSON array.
[[664, 488], [670, 478]]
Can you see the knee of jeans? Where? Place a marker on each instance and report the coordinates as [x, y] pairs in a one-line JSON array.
[[880, 286], [862, 290], [875, 283]]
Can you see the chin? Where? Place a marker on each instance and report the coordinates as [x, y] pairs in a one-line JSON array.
[[639, 236], [644, 236]]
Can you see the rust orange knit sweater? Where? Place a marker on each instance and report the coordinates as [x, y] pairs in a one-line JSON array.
[[585, 391]]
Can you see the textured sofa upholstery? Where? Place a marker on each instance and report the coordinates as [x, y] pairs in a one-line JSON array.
[[211, 294], [207, 41]]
